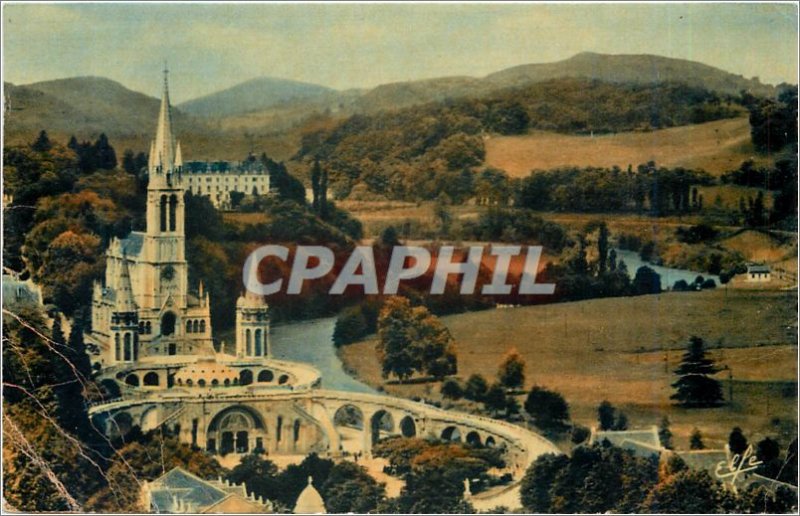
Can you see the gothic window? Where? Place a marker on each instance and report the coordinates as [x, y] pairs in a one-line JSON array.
[[202, 326], [188, 326], [141, 327], [163, 213], [173, 206], [258, 343], [196, 326], [128, 351], [168, 324], [135, 347], [117, 348], [148, 328], [248, 345]]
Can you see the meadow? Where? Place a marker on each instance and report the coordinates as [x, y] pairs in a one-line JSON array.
[[715, 147], [625, 350]]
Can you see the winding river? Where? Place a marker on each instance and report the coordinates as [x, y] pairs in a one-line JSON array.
[[312, 342], [668, 275]]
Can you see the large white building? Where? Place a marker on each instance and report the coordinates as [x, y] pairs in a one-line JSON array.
[[218, 179], [146, 306]]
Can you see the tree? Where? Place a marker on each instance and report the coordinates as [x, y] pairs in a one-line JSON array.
[[475, 388], [695, 387], [42, 143], [104, 155], [451, 389], [688, 492], [664, 433], [606, 415], [512, 370], [737, 442], [258, 475], [622, 422], [696, 440], [548, 409], [495, 399], [646, 281], [768, 451], [413, 340]]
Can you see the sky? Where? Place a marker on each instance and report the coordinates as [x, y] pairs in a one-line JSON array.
[[210, 47]]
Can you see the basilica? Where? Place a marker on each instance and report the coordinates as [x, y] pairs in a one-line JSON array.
[[146, 306]]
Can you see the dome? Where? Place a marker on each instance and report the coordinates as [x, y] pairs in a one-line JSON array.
[[309, 501], [206, 373]]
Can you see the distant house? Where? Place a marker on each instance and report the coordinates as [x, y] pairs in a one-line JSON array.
[[758, 273], [643, 443], [181, 492], [17, 291]]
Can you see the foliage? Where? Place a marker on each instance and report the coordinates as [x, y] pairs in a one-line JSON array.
[[696, 440], [737, 442], [476, 387], [656, 190], [356, 322], [664, 433], [413, 340], [773, 122], [451, 389], [695, 386], [512, 370], [594, 480], [548, 409]]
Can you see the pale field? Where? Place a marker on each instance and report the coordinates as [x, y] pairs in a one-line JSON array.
[[715, 147], [615, 349]]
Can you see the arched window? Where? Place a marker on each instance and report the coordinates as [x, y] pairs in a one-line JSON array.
[[202, 326], [278, 428], [248, 344], [117, 348], [128, 350], [296, 430], [141, 327], [168, 324], [201, 382], [196, 326], [163, 213], [173, 207], [148, 328], [135, 347], [188, 326], [258, 343]]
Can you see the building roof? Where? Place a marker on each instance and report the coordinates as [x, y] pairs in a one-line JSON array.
[[178, 487], [132, 244], [642, 442], [309, 501], [758, 268], [237, 504], [18, 291]]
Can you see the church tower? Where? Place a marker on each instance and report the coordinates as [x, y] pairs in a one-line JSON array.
[[164, 240]]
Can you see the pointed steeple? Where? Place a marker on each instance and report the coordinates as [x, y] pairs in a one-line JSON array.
[[164, 144], [178, 156], [124, 293]]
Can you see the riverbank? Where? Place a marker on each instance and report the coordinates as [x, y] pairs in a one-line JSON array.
[[615, 349]]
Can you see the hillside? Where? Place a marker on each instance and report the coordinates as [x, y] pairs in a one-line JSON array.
[[253, 95], [84, 106], [635, 69], [716, 147], [640, 69]]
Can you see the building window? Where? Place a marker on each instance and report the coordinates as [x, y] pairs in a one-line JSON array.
[[117, 348], [173, 206], [248, 344], [127, 349], [163, 213]]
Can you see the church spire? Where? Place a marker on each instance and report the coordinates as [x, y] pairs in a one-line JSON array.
[[164, 144]]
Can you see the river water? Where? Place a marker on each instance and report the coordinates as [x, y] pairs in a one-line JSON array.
[[312, 342], [668, 275]]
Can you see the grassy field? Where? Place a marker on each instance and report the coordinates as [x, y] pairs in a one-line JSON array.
[[714, 146], [625, 349]]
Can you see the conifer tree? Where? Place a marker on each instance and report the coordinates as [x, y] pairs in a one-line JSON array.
[[695, 387]]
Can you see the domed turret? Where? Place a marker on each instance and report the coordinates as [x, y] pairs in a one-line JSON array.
[[309, 501]]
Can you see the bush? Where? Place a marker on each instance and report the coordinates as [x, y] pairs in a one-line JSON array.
[[451, 389], [476, 388]]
